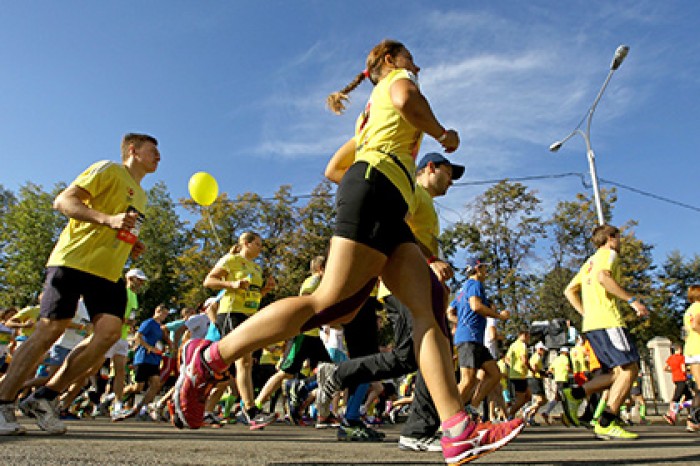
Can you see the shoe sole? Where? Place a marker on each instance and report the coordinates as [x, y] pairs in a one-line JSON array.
[[488, 449]]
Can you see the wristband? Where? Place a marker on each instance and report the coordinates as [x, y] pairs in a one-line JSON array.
[[442, 137], [432, 259], [631, 300]]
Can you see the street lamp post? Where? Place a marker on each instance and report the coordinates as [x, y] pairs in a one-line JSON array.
[[620, 55]]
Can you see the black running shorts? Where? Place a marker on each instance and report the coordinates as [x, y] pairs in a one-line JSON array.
[[371, 210], [64, 286]]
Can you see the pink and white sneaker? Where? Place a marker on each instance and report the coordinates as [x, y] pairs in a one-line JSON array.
[[474, 443], [193, 386]]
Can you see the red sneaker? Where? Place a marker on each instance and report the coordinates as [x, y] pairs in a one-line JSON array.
[[193, 386], [474, 443]]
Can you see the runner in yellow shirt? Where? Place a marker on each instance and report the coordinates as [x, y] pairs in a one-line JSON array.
[[594, 293], [691, 322], [519, 366], [371, 239], [106, 206], [242, 280]]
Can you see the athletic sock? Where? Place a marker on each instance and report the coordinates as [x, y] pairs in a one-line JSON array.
[[455, 425], [643, 412], [46, 393], [578, 393], [606, 418], [600, 409], [212, 356]]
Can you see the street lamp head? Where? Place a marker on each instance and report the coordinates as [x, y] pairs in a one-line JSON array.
[[555, 146], [620, 55]]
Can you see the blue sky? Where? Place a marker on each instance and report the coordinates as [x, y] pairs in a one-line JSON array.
[[238, 89]]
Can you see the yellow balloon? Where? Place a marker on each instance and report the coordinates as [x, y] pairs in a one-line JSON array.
[[203, 188]]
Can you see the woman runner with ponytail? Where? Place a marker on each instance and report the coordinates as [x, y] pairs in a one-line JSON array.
[[371, 239]]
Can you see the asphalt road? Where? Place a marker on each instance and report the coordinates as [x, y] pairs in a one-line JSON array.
[[101, 442]]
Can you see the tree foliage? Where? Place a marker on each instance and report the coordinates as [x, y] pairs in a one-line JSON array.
[[533, 258]]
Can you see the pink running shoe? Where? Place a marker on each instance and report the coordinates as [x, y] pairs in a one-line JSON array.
[[670, 417], [474, 443], [193, 386]]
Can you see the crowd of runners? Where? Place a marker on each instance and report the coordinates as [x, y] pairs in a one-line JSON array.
[[315, 359]]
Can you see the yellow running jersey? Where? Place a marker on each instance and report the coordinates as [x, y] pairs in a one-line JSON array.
[[692, 341], [243, 301], [600, 307], [97, 249], [385, 140]]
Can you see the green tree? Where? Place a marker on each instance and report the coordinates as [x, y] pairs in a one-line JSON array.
[[164, 236], [504, 229], [30, 228]]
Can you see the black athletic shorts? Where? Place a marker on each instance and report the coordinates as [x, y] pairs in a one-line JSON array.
[[473, 355], [536, 386], [145, 371], [371, 210], [64, 286], [304, 347], [519, 385]]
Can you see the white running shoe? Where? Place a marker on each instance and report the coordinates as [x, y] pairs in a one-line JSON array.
[[8, 421], [45, 413]]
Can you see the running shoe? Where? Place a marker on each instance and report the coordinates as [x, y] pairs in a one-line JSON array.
[[327, 421], [545, 416], [262, 420], [328, 385], [474, 443], [431, 443], [358, 432], [571, 406], [8, 421], [45, 413], [691, 427], [212, 420], [194, 384], [125, 414], [670, 417], [613, 432]]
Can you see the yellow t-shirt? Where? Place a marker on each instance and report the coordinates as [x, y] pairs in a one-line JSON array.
[[692, 341], [381, 130], [424, 224], [423, 220], [537, 365], [600, 308], [308, 287], [516, 354], [560, 368], [503, 368], [25, 314], [97, 249], [578, 359], [243, 301]]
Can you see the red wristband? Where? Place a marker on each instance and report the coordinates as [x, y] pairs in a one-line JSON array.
[[432, 259]]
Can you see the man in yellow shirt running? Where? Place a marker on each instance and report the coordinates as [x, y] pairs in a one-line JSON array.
[[106, 206], [594, 292]]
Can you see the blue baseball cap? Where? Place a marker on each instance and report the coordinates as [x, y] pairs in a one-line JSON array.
[[439, 159], [474, 262]]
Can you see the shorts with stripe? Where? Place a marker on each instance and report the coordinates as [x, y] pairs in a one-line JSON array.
[[304, 347], [613, 347]]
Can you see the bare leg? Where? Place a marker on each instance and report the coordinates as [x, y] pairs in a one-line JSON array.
[[88, 352], [490, 378], [271, 386], [619, 390], [26, 357], [408, 277]]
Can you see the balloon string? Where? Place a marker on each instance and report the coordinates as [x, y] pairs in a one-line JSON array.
[[213, 229]]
